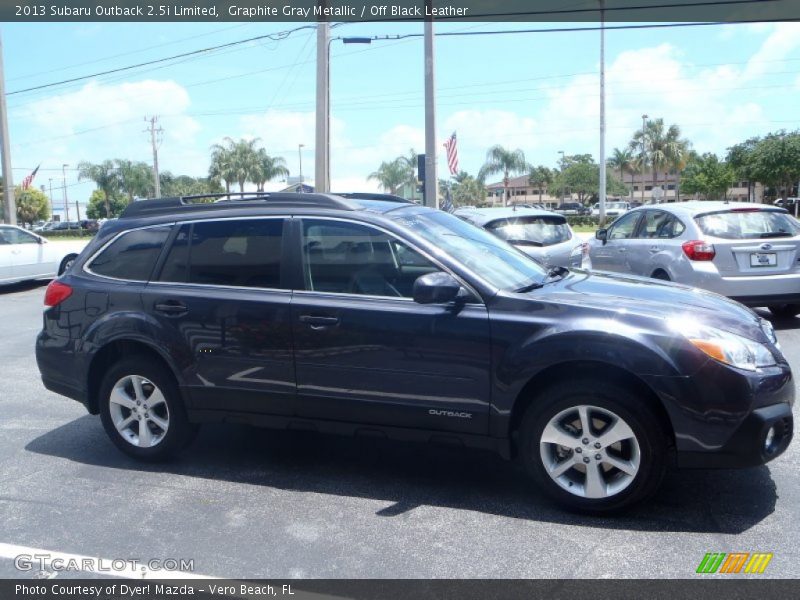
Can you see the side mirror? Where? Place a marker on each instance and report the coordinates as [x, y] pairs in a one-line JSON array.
[[436, 288], [602, 235]]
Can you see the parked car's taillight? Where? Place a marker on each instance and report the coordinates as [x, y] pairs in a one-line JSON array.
[[56, 293], [699, 250]]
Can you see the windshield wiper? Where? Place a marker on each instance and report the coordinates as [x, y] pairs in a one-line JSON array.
[[530, 287], [525, 242], [554, 274], [775, 234]]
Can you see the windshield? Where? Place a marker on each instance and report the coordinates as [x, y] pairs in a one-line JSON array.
[[489, 257], [534, 231], [749, 224]]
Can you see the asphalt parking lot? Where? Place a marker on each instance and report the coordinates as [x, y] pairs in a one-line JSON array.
[[245, 502]]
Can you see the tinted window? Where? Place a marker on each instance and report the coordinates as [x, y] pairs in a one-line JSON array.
[[350, 258], [176, 265], [659, 224], [532, 231], [624, 226], [131, 256], [9, 235], [243, 253], [748, 224]]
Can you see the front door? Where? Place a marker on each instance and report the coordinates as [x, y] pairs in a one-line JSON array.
[[613, 255], [26, 254], [224, 308], [366, 352]]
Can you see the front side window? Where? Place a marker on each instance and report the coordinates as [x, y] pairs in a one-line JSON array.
[[131, 256], [10, 235], [624, 227], [230, 252], [350, 258]]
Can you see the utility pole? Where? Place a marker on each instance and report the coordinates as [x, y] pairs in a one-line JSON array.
[[52, 204], [154, 134], [9, 205], [322, 157], [300, 156], [64, 190], [602, 114], [431, 182], [644, 133]]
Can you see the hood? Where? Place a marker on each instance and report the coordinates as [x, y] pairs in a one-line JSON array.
[[642, 296]]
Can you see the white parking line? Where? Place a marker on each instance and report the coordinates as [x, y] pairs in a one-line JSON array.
[[48, 560]]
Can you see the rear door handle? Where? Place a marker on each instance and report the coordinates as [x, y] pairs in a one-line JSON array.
[[171, 308], [317, 322]]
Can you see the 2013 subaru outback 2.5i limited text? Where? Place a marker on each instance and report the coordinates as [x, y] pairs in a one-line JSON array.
[[380, 317]]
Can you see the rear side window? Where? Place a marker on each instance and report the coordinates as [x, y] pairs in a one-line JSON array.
[[660, 224], [532, 231], [131, 256], [239, 253], [748, 224]]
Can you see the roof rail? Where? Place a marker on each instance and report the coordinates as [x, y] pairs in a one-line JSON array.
[[144, 208], [373, 196]]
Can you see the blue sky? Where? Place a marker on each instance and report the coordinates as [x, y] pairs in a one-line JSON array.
[[537, 92]]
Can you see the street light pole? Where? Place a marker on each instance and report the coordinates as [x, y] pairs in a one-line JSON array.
[[644, 129], [52, 204], [561, 168], [322, 146], [431, 181], [602, 189], [64, 189], [300, 156], [9, 205]]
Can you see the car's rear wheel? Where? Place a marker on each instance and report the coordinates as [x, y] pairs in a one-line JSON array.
[[142, 411], [785, 310], [66, 263], [594, 450], [662, 275]]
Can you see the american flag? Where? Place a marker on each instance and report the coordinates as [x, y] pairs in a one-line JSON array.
[[447, 202], [26, 183], [452, 154]]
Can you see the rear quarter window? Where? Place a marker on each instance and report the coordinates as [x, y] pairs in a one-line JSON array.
[[132, 256]]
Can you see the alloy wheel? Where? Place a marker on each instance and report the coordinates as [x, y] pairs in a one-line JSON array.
[[590, 452], [139, 411]]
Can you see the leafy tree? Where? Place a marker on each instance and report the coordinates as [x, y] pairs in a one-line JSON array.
[[104, 175], [583, 179], [184, 185], [390, 175], [468, 191], [134, 178], [775, 161], [100, 205], [663, 148], [32, 205], [740, 157], [623, 161], [541, 177], [502, 160], [708, 177], [221, 167], [268, 168]]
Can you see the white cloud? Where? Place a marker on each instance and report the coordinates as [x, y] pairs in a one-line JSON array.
[[784, 39], [479, 129]]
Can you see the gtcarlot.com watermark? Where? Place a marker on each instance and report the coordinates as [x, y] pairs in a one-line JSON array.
[[49, 562]]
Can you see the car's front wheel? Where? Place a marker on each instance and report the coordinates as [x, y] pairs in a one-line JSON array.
[[785, 310], [142, 411], [594, 450]]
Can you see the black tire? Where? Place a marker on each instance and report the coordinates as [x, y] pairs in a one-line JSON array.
[[661, 275], [179, 431], [66, 263], [630, 408], [785, 311]]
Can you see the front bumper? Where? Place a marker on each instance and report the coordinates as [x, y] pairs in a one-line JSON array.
[[763, 435]]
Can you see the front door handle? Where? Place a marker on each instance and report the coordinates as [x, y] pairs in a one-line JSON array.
[[172, 308], [318, 322]]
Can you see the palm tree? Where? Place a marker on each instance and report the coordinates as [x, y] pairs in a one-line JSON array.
[[135, 178], [234, 161], [502, 160], [390, 175], [662, 146], [268, 168], [104, 175], [541, 177], [623, 161], [221, 167]]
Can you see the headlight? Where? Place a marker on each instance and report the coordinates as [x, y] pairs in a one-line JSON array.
[[769, 331], [727, 347]]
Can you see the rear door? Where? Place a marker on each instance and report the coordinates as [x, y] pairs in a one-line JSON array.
[[222, 302], [753, 242], [367, 353]]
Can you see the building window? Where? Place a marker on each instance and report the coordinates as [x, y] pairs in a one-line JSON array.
[[647, 188], [671, 186], [636, 188]]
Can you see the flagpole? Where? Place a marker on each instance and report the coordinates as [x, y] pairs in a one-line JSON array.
[[9, 205]]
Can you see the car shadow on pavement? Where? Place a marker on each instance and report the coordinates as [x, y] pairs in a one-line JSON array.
[[410, 475], [23, 286]]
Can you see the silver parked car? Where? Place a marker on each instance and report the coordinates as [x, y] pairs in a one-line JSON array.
[[748, 252], [541, 234]]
